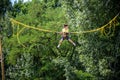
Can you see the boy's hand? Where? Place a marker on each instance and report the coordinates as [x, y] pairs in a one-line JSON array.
[[59, 32]]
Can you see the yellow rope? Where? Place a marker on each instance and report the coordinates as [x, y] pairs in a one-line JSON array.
[[106, 30], [102, 29], [13, 29], [18, 37], [24, 25]]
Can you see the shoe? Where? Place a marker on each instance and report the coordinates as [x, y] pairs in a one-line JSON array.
[[74, 44], [58, 46]]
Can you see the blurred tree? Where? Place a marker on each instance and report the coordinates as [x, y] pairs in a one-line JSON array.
[[34, 61], [94, 49], [95, 57]]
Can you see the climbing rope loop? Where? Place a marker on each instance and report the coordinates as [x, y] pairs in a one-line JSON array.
[[106, 30]]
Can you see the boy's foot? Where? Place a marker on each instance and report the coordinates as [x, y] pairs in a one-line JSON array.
[[74, 44], [58, 46]]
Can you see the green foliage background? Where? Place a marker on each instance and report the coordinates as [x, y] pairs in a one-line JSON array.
[[96, 57]]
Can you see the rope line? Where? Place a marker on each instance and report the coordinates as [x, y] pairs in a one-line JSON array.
[[18, 37], [27, 26], [44, 30], [101, 28], [106, 30]]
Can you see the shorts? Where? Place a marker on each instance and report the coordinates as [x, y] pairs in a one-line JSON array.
[[67, 38]]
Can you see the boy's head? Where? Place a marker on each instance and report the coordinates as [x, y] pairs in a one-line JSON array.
[[65, 26]]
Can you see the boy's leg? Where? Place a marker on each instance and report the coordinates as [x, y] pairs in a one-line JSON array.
[[60, 42], [71, 42]]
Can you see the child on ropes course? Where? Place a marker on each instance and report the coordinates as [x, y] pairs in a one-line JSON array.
[[65, 35]]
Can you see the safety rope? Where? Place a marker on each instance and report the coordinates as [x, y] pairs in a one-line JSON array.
[[89, 31], [106, 30], [24, 25], [102, 27]]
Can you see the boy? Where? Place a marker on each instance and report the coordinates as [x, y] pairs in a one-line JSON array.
[[65, 35]]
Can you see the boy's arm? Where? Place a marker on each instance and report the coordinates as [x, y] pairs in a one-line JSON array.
[[60, 33]]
